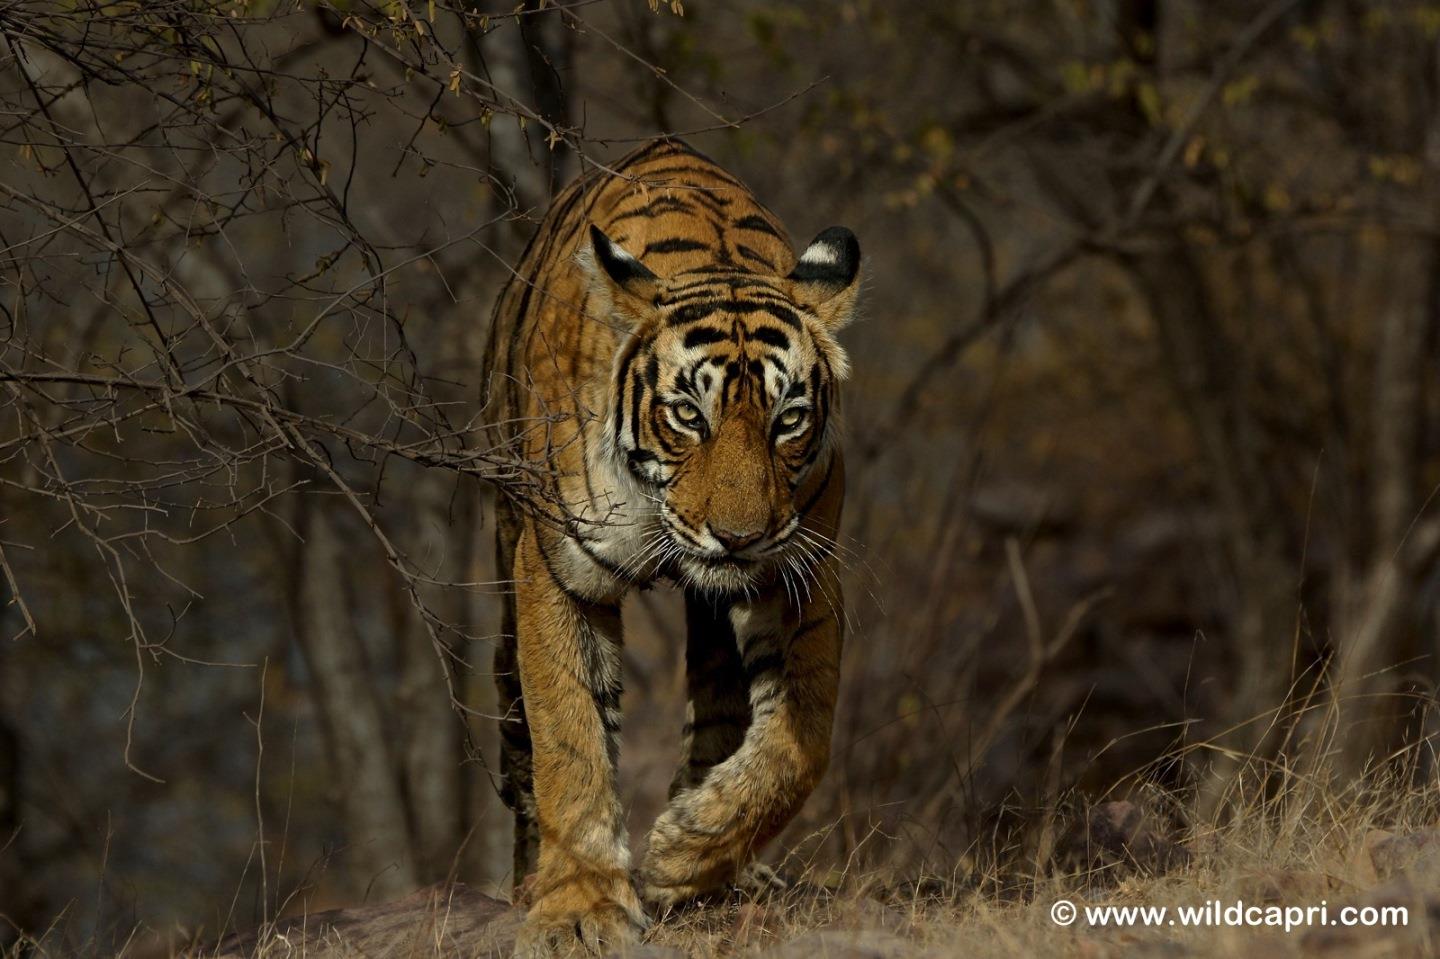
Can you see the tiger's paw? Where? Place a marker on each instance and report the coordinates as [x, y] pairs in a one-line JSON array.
[[753, 881], [552, 931], [759, 881], [597, 932], [665, 889], [660, 899]]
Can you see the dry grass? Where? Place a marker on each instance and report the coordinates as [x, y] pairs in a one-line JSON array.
[[1278, 835], [1304, 848], [1305, 844]]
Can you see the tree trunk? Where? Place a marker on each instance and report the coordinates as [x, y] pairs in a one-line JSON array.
[[1263, 601], [1371, 626], [357, 741], [12, 901], [491, 826], [430, 738], [530, 61]]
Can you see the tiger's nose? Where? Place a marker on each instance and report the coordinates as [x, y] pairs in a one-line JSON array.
[[734, 541]]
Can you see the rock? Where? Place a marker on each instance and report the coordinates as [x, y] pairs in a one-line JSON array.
[[866, 913], [1130, 946], [1287, 887], [1415, 937], [1363, 864], [439, 921], [931, 889], [646, 951], [1119, 834], [835, 944], [1414, 857]]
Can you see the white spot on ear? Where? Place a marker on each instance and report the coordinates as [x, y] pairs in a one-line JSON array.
[[820, 254]]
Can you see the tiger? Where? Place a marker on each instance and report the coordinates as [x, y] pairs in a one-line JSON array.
[[671, 370]]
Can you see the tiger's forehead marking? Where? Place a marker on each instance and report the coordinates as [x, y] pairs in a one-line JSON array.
[[735, 348], [732, 299], [707, 285], [769, 319]]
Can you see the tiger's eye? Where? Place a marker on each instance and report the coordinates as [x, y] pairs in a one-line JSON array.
[[687, 413], [792, 418]]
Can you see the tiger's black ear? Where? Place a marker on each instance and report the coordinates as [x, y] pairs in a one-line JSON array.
[[623, 268], [824, 279], [626, 288]]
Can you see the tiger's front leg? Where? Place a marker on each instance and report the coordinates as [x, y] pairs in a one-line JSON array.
[[791, 658], [570, 679]]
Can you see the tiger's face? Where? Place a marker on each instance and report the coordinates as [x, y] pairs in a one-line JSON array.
[[722, 400]]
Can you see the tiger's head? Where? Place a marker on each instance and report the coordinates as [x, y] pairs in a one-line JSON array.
[[722, 400]]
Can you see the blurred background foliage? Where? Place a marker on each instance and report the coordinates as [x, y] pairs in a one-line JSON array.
[[1143, 434]]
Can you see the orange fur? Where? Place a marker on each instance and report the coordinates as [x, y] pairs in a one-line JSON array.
[[674, 376]]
